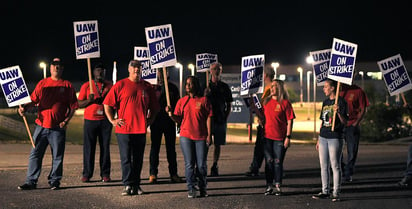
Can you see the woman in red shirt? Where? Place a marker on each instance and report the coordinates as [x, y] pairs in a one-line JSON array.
[[277, 118], [194, 112]]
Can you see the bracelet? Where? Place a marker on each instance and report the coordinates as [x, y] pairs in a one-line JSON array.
[[288, 136]]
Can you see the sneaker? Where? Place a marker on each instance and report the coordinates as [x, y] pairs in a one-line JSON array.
[[252, 174], [278, 191], [320, 196], [127, 191], [335, 198], [54, 187], [152, 179], [176, 179], [269, 190], [106, 179], [191, 193], [203, 193], [405, 182], [85, 179], [27, 186], [137, 190], [214, 170]]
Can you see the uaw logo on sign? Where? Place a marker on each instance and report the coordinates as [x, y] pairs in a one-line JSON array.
[[161, 46], [395, 75], [320, 65], [342, 61], [149, 74], [13, 85], [252, 74], [204, 60], [86, 38]]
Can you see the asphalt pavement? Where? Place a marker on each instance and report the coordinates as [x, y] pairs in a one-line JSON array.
[[379, 168]]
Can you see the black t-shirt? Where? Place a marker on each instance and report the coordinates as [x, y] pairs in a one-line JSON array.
[[327, 117], [219, 95]]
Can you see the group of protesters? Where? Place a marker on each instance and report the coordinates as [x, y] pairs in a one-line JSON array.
[[132, 104]]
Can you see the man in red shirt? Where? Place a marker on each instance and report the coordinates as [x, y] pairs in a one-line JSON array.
[[96, 126], [357, 103], [135, 101], [57, 102]]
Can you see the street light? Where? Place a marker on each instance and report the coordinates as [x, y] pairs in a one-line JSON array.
[[180, 66], [300, 70], [192, 68], [308, 88], [275, 66], [309, 60], [43, 65]]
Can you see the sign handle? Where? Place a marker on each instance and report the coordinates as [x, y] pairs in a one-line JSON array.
[[28, 129], [207, 78], [89, 70], [336, 102], [166, 88]]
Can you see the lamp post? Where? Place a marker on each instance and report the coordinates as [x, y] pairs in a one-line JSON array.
[[361, 74], [275, 66], [300, 70], [308, 73], [310, 60], [180, 66], [43, 66], [192, 68]]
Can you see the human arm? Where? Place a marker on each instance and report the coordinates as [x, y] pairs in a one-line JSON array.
[[109, 111], [86, 102], [289, 126], [67, 119], [209, 131]]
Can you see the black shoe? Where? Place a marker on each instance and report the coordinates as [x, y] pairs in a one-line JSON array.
[[54, 187], [203, 193], [27, 186], [191, 193], [405, 182], [269, 190], [214, 171], [320, 196], [137, 190], [335, 198], [127, 191]]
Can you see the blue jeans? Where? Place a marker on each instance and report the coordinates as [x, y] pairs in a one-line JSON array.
[[330, 151], [352, 136], [131, 150], [93, 130], [274, 155], [42, 137], [195, 151]]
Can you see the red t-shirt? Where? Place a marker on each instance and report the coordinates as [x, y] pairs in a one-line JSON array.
[[276, 116], [132, 100], [54, 99], [94, 111], [356, 99], [195, 114]]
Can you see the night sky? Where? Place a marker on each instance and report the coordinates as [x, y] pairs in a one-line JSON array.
[[284, 32]]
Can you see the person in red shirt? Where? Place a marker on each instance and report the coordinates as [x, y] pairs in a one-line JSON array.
[[277, 119], [96, 126], [56, 101], [194, 112], [357, 104], [135, 101]]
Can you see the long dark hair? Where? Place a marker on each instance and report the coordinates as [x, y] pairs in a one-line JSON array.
[[196, 85]]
